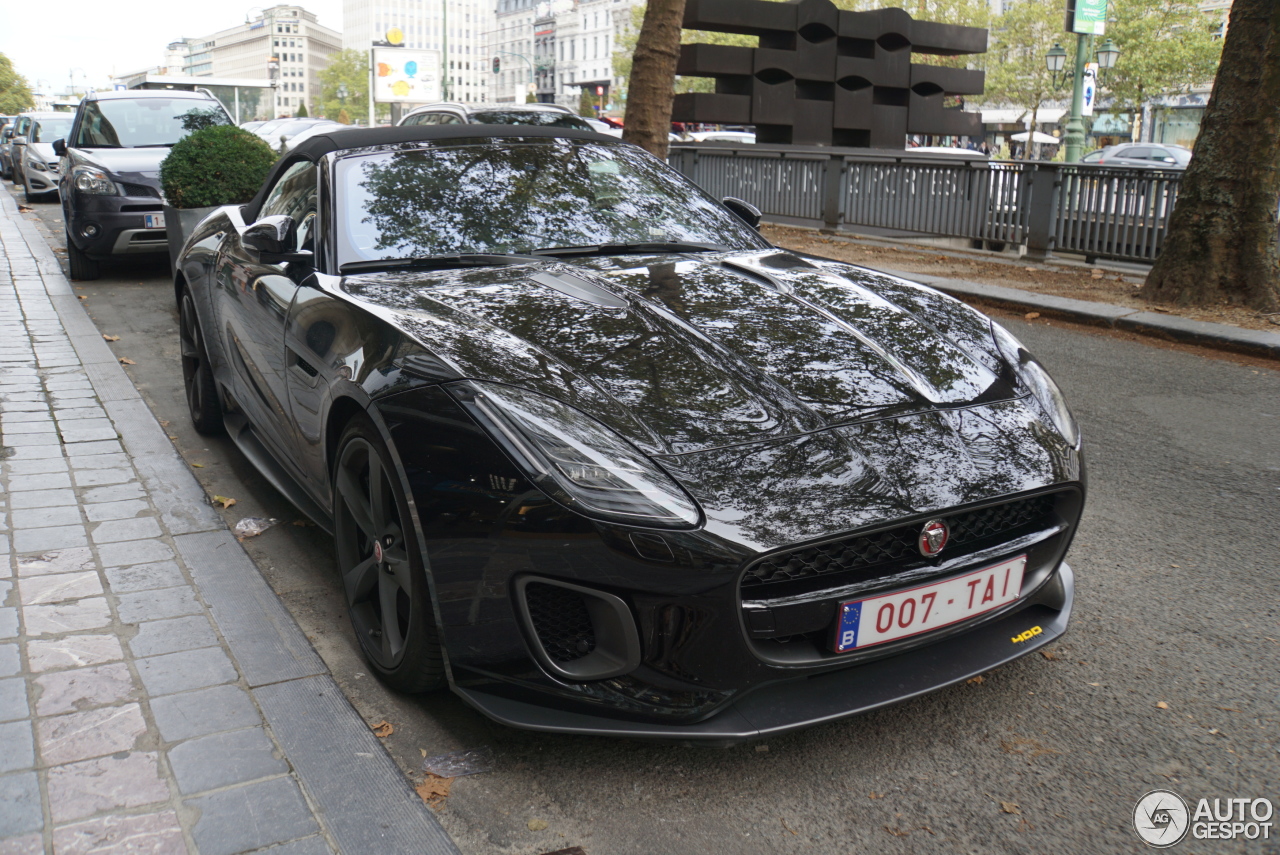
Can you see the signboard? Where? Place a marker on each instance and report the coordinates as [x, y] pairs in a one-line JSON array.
[[1090, 89], [406, 76], [1090, 17]]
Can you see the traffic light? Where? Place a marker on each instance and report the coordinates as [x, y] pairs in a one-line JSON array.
[[497, 64]]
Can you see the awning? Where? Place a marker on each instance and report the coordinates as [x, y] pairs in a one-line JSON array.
[[1002, 117], [1048, 115]]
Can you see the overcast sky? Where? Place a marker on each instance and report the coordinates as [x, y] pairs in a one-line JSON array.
[[99, 39]]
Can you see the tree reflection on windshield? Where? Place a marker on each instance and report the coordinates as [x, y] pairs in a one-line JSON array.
[[519, 196]]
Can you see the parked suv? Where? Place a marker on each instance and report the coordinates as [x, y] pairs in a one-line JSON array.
[[110, 182], [34, 163], [451, 113]]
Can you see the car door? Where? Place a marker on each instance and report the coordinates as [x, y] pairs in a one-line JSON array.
[[253, 300]]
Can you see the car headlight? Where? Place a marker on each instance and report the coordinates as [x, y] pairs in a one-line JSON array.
[[1032, 373], [36, 165], [91, 180], [577, 461]]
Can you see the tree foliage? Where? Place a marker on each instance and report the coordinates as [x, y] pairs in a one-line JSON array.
[[1165, 46], [1221, 244], [219, 165], [15, 93], [1016, 73], [302, 110], [349, 67]]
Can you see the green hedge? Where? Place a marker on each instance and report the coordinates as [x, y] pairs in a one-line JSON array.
[[222, 165]]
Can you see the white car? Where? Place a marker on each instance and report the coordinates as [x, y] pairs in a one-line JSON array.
[[723, 136]]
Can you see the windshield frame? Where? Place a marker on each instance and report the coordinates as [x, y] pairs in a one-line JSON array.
[[333, 190]]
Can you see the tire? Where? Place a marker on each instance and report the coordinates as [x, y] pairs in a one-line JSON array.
[[369, 503], [27, 195], [202, 392], [83, 268]]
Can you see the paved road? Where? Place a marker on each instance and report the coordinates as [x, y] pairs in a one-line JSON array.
[[1177, 574]]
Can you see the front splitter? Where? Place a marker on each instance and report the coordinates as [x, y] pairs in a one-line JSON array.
[[804, 702]]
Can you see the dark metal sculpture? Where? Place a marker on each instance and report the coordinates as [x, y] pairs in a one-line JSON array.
[[823, 76]]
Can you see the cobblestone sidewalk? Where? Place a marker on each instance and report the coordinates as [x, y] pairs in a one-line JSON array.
[[155, 697]]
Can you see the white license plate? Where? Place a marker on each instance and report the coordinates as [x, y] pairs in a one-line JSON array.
[[905, 613], [153, 221]]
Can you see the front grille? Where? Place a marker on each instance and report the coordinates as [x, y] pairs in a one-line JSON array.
[[895, 544], [561, 621], [138, 190]]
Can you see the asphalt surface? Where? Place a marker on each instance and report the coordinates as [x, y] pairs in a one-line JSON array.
[[1168, 678]]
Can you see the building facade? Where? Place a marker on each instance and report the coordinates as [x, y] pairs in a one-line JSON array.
[[423, 23], [567, 45], [285, 43]]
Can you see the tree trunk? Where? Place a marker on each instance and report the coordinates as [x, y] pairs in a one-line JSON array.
[[653, 76], [1221, 245]]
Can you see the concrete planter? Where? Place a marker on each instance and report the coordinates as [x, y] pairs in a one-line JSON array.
[[179, 223]]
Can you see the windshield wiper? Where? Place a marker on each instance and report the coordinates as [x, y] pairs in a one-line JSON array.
[[437, 262], [624, 248], [155, 145]]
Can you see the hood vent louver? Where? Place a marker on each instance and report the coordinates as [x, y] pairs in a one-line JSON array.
[[579, 289]]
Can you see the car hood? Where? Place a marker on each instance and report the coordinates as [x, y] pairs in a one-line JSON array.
[[42, 152], [690, 352], [138, 165]]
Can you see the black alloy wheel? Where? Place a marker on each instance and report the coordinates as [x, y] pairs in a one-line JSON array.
[[83, 268], [197, 376], [381, 565]]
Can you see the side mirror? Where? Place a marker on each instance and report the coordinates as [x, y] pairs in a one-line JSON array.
[[275, 240], [60, 148], [745, 211], [8, 133]]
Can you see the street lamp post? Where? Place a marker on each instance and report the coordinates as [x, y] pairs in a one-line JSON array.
[[1055, 59]]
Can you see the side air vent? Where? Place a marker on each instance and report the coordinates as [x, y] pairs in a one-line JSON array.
[[578, 632]]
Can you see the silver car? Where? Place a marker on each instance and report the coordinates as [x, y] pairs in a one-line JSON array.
[[35, 165]]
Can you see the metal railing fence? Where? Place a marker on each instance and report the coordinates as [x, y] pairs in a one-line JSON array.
[[1097, 211]]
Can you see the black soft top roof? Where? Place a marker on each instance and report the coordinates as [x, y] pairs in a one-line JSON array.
[[315, 147]]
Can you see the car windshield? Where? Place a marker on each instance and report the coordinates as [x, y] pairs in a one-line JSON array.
[[134, 122], [48, 130], [517, 196], [543, 118]]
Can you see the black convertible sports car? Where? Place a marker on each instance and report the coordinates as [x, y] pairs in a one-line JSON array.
[[603, 460]]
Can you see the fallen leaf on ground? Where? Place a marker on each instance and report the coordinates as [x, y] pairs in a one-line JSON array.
[[303, 524], [979, 680], [1161, 705], [221, 500], [111, 337], [1097, 274], [1029, 269], [171, 436], [163, 423], [124, 360], [23, 209], [197, 465], [434, 790], [1031, 316], [81, 297], [1095, 684], [928, 829], [383, 729], [1050, 655], [537, 825], [896, 832], [787, 827], [875, 795], [1026, 746], [1010, 807]]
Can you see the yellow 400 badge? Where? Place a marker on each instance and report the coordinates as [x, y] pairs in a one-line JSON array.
[[1029, 634]]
